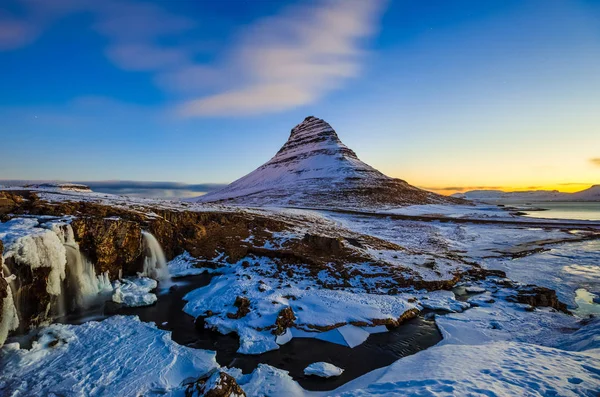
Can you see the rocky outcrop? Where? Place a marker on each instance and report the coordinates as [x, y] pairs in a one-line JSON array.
[[328, 245], [243, 307], [9, 202], [219, 384], [315, 169], [535, 296], [285, 319], [113, 245]]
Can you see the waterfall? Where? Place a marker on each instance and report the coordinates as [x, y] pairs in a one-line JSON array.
[[155, 263], [82, 286]]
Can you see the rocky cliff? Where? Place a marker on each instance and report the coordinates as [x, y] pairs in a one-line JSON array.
[[315, 169]]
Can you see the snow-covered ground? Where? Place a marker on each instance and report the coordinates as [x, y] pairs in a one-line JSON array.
[[490, 345], [119, 356]]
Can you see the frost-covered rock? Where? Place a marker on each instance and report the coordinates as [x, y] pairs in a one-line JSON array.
[[134, 292], [323, 369], [119, 356], [27, 244]]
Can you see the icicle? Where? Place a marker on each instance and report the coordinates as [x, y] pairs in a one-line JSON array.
[[155, 263]]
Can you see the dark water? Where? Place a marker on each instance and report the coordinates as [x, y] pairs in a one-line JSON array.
[[377, 351]]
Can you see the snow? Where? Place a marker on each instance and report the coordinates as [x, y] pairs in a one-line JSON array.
[[186, 265], [498, 369], [134, 292], [266, 380], [313, 306], [442, 300], [563, 268], [323, 369], [590, 194], [118, 356], [27, 244]]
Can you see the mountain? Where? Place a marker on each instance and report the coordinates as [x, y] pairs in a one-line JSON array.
[[591, 194], [315, 169]]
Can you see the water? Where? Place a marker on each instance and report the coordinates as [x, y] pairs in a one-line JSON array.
[[155, 263], [377, 351], [566, 210]]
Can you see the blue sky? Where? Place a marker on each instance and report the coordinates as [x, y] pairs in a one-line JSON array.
[[444, 94]]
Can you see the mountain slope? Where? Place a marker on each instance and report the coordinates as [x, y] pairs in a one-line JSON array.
[[315, 169]]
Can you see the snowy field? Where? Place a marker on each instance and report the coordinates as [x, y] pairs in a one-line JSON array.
[[491, 345]]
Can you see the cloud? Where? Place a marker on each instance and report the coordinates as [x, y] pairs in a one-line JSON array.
[[292, 59], [15, 33], [595, 161], [278, 62]]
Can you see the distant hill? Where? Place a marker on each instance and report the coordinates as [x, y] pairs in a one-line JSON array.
[[590, 194], [315, 169]]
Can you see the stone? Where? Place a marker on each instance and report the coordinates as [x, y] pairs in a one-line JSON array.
[[218, 384]]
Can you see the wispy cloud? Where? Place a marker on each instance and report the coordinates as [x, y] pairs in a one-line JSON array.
[[277, 62], [291, 59], [595, 161]]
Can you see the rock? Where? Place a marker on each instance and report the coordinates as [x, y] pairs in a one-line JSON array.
[[325, 244], [9, 201], [285, 319], [243, 305], [113, 245], [323, 369], [219, 384], [535, 296]]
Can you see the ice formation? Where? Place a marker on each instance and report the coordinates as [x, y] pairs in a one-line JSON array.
[[323, 369], [134, 292]]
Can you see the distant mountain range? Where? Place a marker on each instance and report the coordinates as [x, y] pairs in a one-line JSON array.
[[591, 194], [315, 169]]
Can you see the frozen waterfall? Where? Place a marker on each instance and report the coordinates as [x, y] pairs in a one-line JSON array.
[[155, 263]]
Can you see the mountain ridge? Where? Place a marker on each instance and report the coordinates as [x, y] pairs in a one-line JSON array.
[[314, 168], [590, 194]]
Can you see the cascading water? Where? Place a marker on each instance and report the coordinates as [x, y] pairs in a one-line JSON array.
[[82, 286], [155, 263]]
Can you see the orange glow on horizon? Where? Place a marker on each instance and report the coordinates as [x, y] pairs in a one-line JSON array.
[[561, 187]]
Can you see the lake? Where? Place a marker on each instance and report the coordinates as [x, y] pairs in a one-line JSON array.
[[566, 210]]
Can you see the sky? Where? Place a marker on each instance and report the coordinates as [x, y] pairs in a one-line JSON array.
[[447, 95]]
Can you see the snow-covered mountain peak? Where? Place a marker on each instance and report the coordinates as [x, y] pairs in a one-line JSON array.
[[311, 137], [314, 168]]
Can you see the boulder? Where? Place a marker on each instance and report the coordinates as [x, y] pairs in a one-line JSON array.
[[285, 319], [218, 384], [243, 305], [535, 296]]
